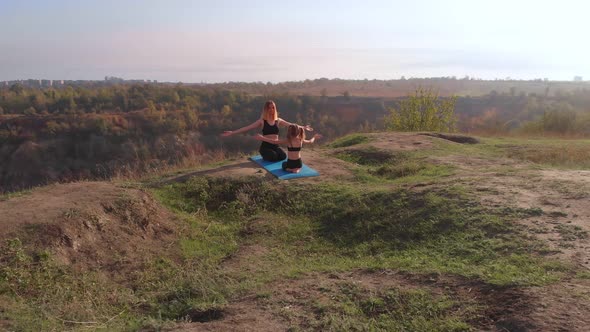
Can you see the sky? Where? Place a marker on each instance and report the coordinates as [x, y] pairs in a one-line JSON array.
[[276, 41]]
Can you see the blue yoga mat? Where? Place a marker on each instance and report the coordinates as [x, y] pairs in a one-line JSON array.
[[275, 168]]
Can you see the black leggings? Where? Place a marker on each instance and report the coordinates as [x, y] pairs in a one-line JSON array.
[[271, 152], [292, 163]]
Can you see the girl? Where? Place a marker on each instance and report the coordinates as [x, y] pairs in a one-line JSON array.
[[295, 139], [270, 123]]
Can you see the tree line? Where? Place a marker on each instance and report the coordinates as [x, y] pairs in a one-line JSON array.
[[53, 134]]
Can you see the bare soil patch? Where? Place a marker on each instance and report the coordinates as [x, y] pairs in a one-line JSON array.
[[561, 307], [245, 259], [242, 315]]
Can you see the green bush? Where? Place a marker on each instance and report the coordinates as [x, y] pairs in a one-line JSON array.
[[423, 111]]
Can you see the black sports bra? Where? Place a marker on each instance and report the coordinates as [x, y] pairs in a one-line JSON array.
[[289, 148], [270, 130]]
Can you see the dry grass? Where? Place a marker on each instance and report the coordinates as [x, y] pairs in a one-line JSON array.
[[577, 156], [136, 173]]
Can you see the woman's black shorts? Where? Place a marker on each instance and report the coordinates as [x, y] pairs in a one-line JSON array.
[[271, 152]]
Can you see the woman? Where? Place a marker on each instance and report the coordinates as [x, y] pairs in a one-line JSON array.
[[270, 123], [294, 141]]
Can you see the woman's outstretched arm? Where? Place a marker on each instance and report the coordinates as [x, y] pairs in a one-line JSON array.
[[283, 123], [243, 129], [270, 140]]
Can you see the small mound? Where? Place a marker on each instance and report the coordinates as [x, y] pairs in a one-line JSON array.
[[90, 225], [454, 138], [324, 158]]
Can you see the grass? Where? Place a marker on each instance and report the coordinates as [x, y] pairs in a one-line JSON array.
[[351, 307], [571, 232], [8, 195], [49, 296], [561, 153], [346, 228], [555, 153], [575, 157]]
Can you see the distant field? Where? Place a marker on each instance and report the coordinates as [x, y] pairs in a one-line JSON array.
[[400, 88]]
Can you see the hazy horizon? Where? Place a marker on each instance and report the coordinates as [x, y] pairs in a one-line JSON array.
[[261, 41]]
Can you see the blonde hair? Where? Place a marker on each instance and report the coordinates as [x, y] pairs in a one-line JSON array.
[[266, 113], [294, 131]]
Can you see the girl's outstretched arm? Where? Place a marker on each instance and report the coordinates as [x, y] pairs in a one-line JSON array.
[[316, 136], [243, 129], [270, 140]]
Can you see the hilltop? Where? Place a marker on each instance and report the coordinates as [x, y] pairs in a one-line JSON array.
[[401, 231]]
